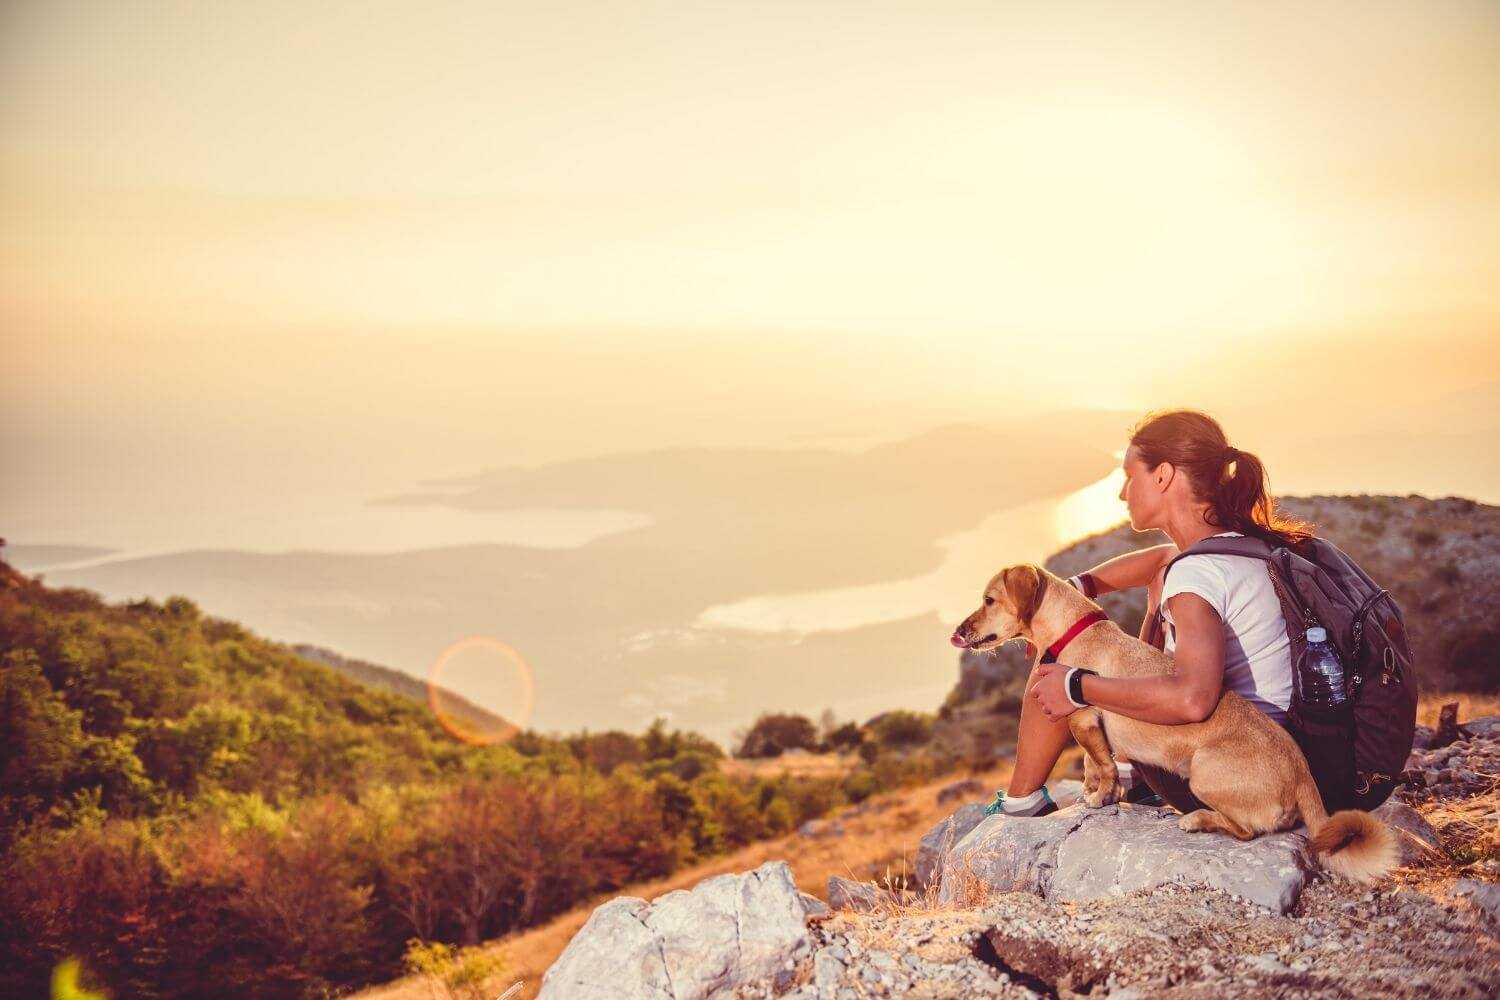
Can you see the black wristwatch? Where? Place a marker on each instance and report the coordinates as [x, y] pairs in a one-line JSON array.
[[1075, 685]]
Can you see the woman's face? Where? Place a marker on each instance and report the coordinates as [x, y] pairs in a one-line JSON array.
[[1142, 498]]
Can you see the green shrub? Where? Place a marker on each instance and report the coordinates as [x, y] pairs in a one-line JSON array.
[[458, 972], [860, 785], [901, 729]]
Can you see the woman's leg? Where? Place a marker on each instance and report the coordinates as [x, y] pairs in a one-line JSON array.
[[1039, 742]]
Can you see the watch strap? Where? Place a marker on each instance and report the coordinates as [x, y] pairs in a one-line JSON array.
[[1073, 685]]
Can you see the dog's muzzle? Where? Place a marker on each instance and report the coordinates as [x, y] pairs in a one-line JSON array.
[[958, 640]]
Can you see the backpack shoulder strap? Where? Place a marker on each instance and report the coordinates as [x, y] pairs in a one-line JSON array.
[[1253, 548], [1247, 546], [1276, 559]]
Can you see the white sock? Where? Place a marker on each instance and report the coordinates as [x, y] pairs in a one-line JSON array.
[[1127, 776], [1024, 803]]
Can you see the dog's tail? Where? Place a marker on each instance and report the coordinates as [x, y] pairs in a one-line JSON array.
[[1351, 842]]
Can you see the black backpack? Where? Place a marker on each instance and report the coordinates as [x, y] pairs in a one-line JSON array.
[[1356, 750]]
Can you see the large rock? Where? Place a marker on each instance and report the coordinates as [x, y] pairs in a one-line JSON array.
[[727, 931], [1485, 895], [847, 894], [941, 838], [1418, 840], [1079, 854]]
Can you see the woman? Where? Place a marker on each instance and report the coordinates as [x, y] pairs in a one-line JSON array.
[[1224, 626]]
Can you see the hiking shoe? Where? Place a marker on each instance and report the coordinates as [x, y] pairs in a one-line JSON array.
[[1042, 808], [1142, 795]]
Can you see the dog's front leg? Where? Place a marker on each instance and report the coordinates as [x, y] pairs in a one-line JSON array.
[[1088, 730]]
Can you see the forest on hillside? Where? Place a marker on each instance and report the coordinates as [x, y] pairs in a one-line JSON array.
[[189, 809]]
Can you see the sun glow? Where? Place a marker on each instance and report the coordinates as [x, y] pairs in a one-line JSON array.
[[1094, 508]]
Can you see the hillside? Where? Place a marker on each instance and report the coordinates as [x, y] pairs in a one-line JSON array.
[[193, 810], [474, 718], [1440, 559]]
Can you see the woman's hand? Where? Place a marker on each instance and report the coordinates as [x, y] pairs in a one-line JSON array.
[[1049, 692], [1190, 693]]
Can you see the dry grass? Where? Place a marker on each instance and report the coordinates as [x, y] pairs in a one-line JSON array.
[[880, 842], [1469, 839]]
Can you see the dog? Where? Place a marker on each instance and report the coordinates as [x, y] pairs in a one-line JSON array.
[[1215, 755]]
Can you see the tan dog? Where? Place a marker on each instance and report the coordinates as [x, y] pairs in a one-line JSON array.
[[1245, 767]]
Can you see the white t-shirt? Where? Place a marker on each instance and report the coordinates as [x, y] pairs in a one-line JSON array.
[[1257, 653]]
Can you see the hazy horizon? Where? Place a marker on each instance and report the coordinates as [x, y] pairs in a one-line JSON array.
[[265, 267]]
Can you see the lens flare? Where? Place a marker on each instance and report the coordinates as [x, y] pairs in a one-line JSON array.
[[481, 690]]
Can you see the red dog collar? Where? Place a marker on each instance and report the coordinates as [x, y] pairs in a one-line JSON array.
[[1055, 650]]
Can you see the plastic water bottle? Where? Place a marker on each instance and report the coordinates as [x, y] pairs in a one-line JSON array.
[[1324, 676]]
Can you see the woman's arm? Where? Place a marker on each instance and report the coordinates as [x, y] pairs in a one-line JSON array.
[[1132, 569], [1188, 694]]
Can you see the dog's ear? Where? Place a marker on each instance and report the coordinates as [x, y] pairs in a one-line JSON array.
[[1025, 584]]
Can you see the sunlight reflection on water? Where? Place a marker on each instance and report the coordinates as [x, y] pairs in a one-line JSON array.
[[1028, 533]]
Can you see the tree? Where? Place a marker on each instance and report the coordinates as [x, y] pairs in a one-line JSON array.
[[41, 741], [775, 733], [846, 737]]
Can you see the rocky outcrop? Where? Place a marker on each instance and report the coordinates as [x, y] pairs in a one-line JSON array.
[[1079, 854], [1459, 769], [1181, 941], [727, 931], [1115, 901], [937, 842]]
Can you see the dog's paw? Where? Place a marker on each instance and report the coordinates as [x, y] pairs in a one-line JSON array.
[[1195, 821], [1101, 797]]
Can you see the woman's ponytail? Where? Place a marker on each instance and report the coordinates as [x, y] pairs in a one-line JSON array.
[[1233, 482]]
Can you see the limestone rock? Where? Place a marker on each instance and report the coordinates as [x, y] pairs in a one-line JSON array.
[[1078, 854], [1120, 848], [1005, 854], [937, 841], [614, 947], [1419, 841], [726, 931], [1486, 895], [941, 838], [846, 894], [815, 907], [821, 828]]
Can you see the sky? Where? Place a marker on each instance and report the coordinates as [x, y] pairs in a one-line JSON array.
[[362, 243]]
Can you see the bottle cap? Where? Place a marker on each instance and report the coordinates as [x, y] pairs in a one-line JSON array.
[[1317, 635]]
